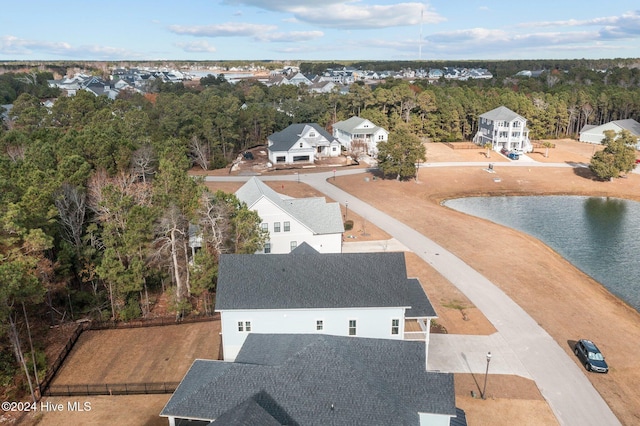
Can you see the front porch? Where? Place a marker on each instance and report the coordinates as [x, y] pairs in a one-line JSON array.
[[416, 328]]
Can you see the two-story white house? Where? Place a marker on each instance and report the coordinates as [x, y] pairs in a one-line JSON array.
[[305, 379], [301, 143], [503, 128], [360, 134], [293, 221], [348, 294]]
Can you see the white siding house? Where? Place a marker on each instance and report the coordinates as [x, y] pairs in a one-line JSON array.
[[293, 221], [360, 134], [503, 128], [354, 294], [595, 134], [301, 144]]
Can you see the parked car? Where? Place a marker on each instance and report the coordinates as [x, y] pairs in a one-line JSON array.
[[513, 156], [590, 356], [504, 151]]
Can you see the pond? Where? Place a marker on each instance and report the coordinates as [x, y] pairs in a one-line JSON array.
[[600, 236]]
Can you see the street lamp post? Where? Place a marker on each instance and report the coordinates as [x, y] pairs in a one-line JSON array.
[[484, 389], [346, 209]]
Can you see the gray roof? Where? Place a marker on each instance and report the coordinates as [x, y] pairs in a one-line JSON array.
[[351, 126], [315, 280], [628, 124], [501, 113], [318, 380], [314, 213], [285, 139], [247, 413]]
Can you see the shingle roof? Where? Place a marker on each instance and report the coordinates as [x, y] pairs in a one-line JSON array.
[[315, 213], [351, 125], [319, 380], [319, 280], [285, 139], [501, 113], [629, 124]]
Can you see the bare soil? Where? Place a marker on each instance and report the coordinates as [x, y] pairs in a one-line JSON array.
[[567, 303]]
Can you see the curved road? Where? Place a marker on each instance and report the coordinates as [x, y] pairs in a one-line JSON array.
[[561, 381]]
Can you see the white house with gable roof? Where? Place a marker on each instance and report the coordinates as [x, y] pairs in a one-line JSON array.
[[360, 133], [503, 128], [301, 143], [292, 221], [344, 294]]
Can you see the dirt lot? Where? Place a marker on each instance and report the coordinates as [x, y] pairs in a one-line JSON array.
[[137, 355], [563, 300]]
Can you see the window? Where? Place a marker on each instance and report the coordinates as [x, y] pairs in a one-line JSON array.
[[267, 248], [276, 227], [319, 325], [293, 245], [240, 326], [247, 326], [300, 144], [380, 137], [280, 159], [333, 149], [352, 327], [516, 124], [287, 226], [311, 135], [264, 227], [395, 326], [504, 134], [516, 134]]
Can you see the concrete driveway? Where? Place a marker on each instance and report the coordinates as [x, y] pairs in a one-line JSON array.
[[571, 396]]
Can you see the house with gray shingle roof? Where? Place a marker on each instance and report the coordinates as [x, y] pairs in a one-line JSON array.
[[348, 294], [503, 128], [360, 134], [595, 134], [292, 221], [298, 379], [301, 143]]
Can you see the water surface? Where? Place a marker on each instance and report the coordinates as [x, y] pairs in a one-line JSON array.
[[600, 236]]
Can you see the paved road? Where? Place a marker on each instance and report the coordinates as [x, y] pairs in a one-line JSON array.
[[561, 381]]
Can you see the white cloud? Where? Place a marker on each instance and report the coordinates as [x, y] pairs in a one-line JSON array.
[[199, 46], [10, 45], [229, 29], [290, 37], [626, 25], [351, 14]]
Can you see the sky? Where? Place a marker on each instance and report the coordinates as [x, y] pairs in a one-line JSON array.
[[136, 30]]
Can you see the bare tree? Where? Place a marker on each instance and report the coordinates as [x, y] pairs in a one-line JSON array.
[[16, 152], [70, 202], [143, 162], [173, 234], [214, 223], [199, 152]]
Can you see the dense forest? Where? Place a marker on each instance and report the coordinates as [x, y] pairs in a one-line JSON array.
[[97, 207]]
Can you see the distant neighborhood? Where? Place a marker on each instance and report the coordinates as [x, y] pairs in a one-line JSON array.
[[138, 79]]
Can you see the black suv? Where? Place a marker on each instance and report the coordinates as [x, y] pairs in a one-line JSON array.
[[591, 356]]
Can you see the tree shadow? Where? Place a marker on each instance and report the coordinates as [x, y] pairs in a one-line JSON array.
[[582, 170]]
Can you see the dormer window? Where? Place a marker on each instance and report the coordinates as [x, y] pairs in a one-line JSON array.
[[312, 134]]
